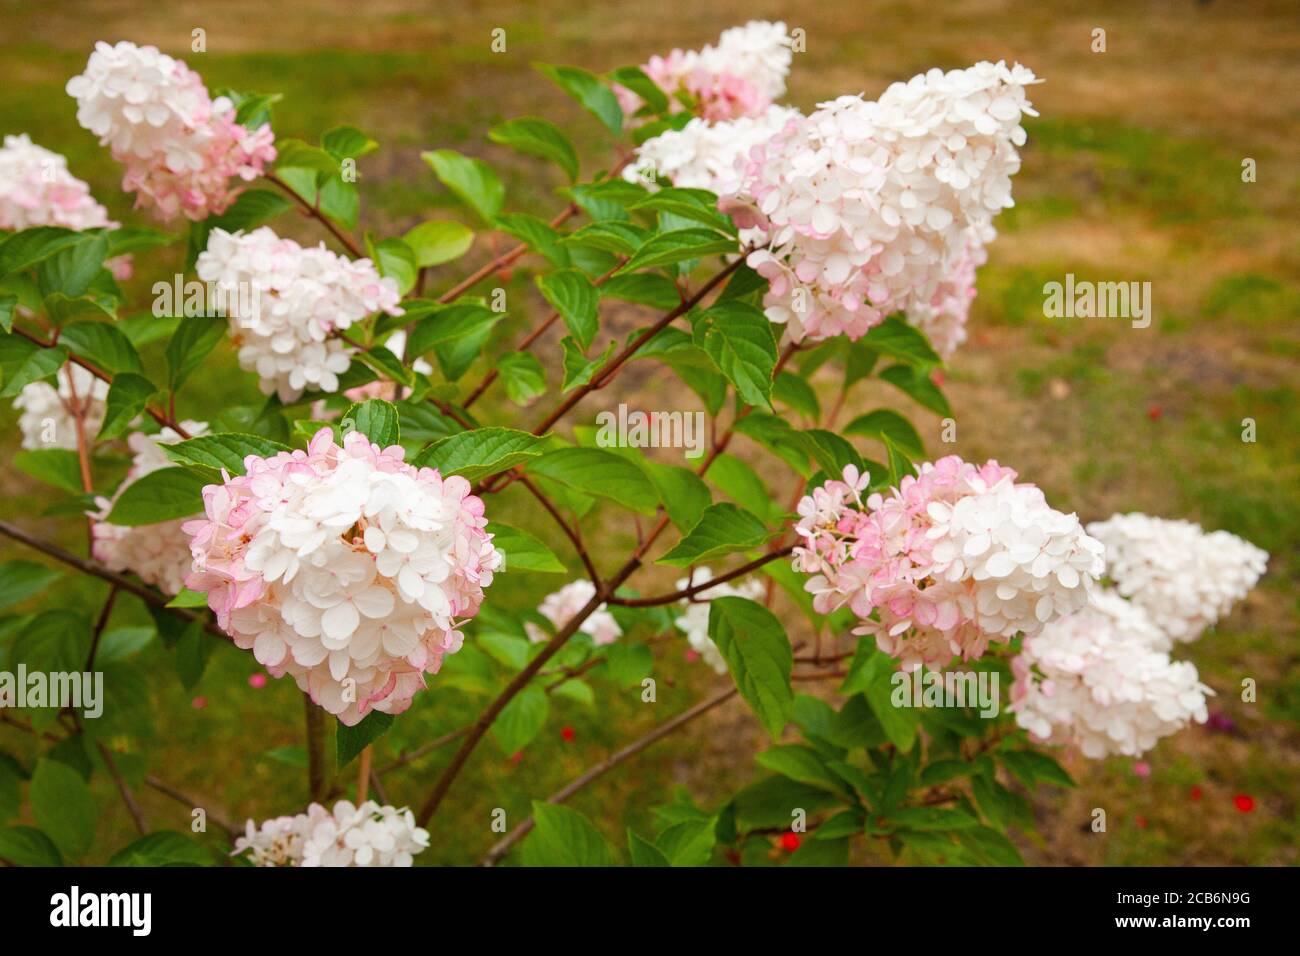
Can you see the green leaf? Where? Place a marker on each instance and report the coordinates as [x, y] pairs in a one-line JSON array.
[[1031, 768], [162, 848], [159, 496], [376, 419], [594, 96], [480, 452], [802, 764], [635, 79], [821, 853], [387, 365], [522, 719], [684, 494], [33, 365], [347, 142], [679, 245], [572, 295], [448, 324], [798, 394], [883, 423], [644, 288], [223, 450], [991, 847], [350, 741], [688, 842], [295, 154], [27, 846], [998, 804], [739, 482], [931, 818], [697, 205], [523, 552], [613, 236], [397, 261], [578, 369], [771, 802], [524, 377], [537, 137], [871, 674], [472, 180], [439, 241], [537, 235], [253, 208], [71, 271], [22, 250], [916, 383], [758, 655], [127, 397], [564, 837], [7, 305], [59, 467], [194, 338], [895, 338], [722, 529], [63, 807], [594, 471], [21, 579], [643, 852], [739, 340], [606, 200], [61, 308], [628, 664]]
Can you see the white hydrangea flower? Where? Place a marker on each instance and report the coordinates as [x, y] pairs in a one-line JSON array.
[[704, 155], [1099, 679], [158, 553], [694, 619], [36, 189], [759, 52], [368, 835], [46, 420], [284, 302], [868, 206], [1185, 578], [561, 606], [1028, 562]]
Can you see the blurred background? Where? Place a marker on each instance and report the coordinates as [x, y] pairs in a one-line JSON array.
[[1133, 172]]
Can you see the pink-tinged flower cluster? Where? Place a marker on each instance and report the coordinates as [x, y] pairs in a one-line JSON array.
[[368, 835], [286, 302], [1185, 578], [954, 557], [46, 417], [36, 189], [942, 317], [1100, 679], [159, 554], [739, 76], [181, 148], [704, 155], [562, 606], [868, 208], [346, 568]]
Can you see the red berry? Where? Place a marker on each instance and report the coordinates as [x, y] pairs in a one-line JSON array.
[[1244, 802], [937, 377], [1141, 822], [567, 733], [1196, 793], [1154, 412], [790, 842], [517, 756]]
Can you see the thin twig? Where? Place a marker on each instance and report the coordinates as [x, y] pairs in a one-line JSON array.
[[132, 807], [690, 592], [309, 210]]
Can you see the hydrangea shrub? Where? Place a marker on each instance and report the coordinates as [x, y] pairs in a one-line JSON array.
[[340, 528]]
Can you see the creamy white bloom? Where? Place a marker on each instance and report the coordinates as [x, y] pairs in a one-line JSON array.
[[36, 189], [1185, 578], [368, 835], [694, 619], [46, 419], [704, 155], [1099, 679], [758, 52], [561, 606], [868, 206], [285, 302]]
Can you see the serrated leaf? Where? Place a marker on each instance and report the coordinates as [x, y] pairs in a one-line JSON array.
[[524, 377], [758, 655], [572, 295], [479, 453], [472, 180], [439, 241], [871, 674], [684, 494], [396, 260], [376, 419], [895, 338], [679, 245], [739, 340], [594, 471], [643, 852], [594, 96], [347, 142], [644, 288], [522, 551], [883, 423], [31, 365], [722, 529], [350, 741], [160, 495], [635, 79], [537, 137], [194, 338], [916, 383], [223, 450], [127, 398], [578, 369], [696, 205]]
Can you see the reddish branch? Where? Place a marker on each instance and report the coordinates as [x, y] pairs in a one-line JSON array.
[[314, 212]]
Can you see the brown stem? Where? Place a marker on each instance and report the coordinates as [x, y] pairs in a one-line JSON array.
[[690, 592], [309, 210], [570, 532], [609, 763], [316, 782], [363, 773], [128, 798], [185, 799]]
